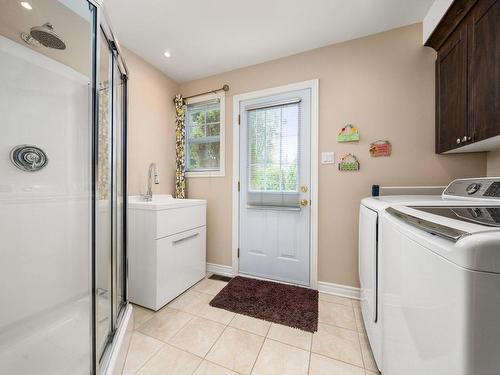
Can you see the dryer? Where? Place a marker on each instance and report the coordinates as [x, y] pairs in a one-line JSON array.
[[370, 249]]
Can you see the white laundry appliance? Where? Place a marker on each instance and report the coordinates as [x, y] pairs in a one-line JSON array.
[[439, 288], [370, 248]]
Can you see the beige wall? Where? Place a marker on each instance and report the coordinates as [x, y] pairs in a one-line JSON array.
[[382, 83], [493, 163], [151, 136]]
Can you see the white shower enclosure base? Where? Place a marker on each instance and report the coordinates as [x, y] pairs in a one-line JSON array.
[[50, 343]]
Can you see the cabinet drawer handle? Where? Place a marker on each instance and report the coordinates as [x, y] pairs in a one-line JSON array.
[[185, 238]]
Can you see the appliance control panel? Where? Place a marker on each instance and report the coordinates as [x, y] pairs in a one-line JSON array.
[[480, 188]]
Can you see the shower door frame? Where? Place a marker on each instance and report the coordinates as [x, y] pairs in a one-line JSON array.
[[99, 361]]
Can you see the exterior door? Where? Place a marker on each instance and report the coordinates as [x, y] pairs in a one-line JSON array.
[[275, 187]]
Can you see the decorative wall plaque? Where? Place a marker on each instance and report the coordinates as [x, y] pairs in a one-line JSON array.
[[349, 162], [380, 148], [349, 133]]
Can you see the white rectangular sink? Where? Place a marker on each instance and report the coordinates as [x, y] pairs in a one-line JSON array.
[[161, 202], [166, 248]]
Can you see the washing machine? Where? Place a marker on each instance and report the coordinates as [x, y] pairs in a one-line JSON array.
[[439, 284]]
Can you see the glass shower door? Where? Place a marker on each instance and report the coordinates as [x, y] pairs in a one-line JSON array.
[[104, 198], [110, 221], [62, 188], [119, 156], [45, 187]]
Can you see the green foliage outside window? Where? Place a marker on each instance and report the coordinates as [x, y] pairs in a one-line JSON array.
[[273, 154], [203, 137]]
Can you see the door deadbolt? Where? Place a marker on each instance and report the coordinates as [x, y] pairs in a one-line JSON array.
[[304, 189]]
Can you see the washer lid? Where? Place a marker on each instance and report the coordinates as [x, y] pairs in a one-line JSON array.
[[467, 243], [487, 216]]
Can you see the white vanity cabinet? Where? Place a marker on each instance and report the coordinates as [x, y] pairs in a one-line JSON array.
[[166, 248]]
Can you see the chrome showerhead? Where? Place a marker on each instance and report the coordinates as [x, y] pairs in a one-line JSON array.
[[46, 35]]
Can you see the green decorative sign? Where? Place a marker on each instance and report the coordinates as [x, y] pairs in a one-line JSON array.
[[349, 133], [349, 162]]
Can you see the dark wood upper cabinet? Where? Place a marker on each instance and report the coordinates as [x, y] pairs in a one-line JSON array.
[[484, 70], [451, 91], [467, 76]]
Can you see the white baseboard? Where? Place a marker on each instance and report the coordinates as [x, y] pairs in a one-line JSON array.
[[220, 269], [339, 290]]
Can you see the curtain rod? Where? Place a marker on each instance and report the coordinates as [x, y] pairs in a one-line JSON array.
[[223, 88]]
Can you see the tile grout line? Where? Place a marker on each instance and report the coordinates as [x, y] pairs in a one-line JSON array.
[[336, 326], [265, 337], [146, 361], [215, 342], [310, 352], [359, 341], [339, 360], [165, 343], [347, 329], [258, 354], [224, 367]]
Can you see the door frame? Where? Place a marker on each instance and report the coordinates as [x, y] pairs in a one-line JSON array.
[[313, 239]]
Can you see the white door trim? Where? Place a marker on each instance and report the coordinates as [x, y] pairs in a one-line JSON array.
[[314, 86]]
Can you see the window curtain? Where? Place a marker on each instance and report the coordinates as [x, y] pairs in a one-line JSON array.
[[180, 144]]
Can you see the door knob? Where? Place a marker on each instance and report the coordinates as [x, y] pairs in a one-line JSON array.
[[458, 141], [464, 139], [304, 202]]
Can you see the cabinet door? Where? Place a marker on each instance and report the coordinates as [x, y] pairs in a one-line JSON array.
[[181, 263], [484, 70], [451, 91]]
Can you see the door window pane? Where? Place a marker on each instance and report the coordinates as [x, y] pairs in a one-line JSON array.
[[273, 134]]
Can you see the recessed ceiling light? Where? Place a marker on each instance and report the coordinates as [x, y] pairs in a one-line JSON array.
[[26, 5], [167, 54]]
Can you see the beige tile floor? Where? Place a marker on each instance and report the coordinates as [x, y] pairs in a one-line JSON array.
[[190, 337]]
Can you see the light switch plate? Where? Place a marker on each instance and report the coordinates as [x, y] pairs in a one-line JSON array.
[[328, 157]]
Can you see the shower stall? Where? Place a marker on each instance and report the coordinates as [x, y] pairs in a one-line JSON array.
[[63, 262]]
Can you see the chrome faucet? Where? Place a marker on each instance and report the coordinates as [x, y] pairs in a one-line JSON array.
[[152, 171]]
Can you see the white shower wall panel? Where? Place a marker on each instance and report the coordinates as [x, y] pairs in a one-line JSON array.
[[45, 215]]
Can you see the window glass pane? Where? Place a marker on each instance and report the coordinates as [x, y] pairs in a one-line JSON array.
[[257, 181], [203, 136], [196, 131], [213, 129], [204, 155], [213, 115], [196, 118], [290, 177], [274, 148]]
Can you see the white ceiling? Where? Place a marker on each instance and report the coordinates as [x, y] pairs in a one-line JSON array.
[[207, 37]]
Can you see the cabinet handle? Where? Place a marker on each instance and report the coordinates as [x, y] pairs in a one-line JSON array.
[[185, 238]]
